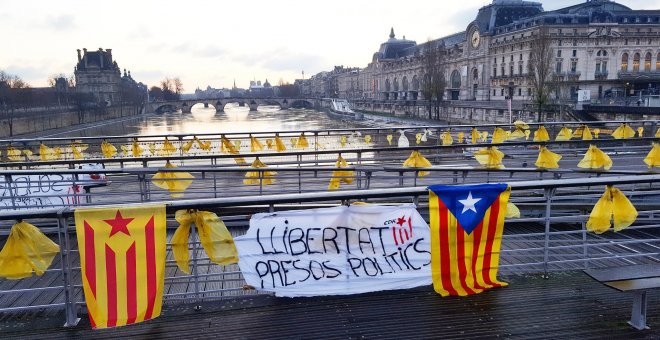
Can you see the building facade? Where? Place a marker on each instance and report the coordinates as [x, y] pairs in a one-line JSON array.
[[98, 74], [599, 46]]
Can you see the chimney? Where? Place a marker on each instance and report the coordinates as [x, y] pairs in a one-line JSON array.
[[79, 57], [85, 56], [101, 57], [109, 50]]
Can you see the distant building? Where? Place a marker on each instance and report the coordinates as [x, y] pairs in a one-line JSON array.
[[98, 74], [211, 93], [258, 90]]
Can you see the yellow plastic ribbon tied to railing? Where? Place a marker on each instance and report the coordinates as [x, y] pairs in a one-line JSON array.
[[175, 182], [521, 127], [547, 159], [612, 206], [484, 136], [446, 138], [490, 157], [389, 139], [499, 136], [512, 211], [416, 160], [279, 144], [77, 149], [27, 250], [594, 158], [341, 176], [624, 131], [46, 153], [418, 138], [124, 150], [541, 134], [653, 158], [108, 150], [137, 149], [13, 154], [152, 148], [256, 177], [596, 132], [564, 134], [475, 135], [657, 133], [640, 132], [367, 139], [302, 142], [213, 234], [228, 147], [187, 146], [255, 144], [461, 137], [168, 148], [583, 132], [203, 145]]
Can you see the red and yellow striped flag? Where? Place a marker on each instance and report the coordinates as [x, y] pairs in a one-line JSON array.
[[466, 234], [122, 260]]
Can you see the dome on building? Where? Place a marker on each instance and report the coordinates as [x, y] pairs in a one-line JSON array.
[[394, 48]]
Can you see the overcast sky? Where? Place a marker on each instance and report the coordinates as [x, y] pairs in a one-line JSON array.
[[215, 42]]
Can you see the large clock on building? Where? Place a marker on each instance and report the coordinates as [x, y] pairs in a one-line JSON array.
[[476, 38]]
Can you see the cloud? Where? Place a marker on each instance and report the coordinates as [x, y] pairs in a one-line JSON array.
[[281, 60], [62, 22]]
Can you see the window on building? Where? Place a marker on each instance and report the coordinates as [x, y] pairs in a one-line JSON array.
[[603, 66], [502, 92], [529, 91], [647, 62], [598, 69], [519, 92], [636, 62], [512, 57], [520, 56], [573, 66], [558, 53], [558, 67], [495, 60], [494, 93], [502, 58], [503, 73], [494, 72], [625, 42], [520, 68], [511, 70], [574, 53], [624, 62]]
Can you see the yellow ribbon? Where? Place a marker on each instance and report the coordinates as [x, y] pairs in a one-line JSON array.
[[341, 176], [653, 158], [547, 159], [108, 150], [252, 177], [342, 141], [490, 157], [168, 148], [512, 211], [279, 144], [302, 141], [203, 145], [367, 139], [499, 136], [255, 144], [46, 153], [27, 250], [228, 147], [640, 132], [418, 138], [541, 134], [446, 138], [612, 206], [416, 160], [13, 154], [594, 158], [564, 134], [624, 131], [596, 132], [390, 137], [475, 135], [213, 234], [461, 137], [175, 182], [137, 149]]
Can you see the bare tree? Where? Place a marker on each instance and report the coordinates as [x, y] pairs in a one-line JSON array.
[[433, 81], [178, 86], [10, 97], [540, 68]]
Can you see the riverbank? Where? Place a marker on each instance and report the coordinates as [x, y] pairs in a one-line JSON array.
[[23, 124]]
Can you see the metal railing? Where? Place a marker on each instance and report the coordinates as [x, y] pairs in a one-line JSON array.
[[550, 236]]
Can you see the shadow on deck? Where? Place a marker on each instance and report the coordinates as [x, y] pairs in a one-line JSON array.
[[566, 306]]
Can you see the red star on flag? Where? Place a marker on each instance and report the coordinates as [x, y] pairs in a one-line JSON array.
[[401, 220], [119, 224]]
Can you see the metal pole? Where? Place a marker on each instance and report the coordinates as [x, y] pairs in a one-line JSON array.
[[70, 311], [548, 193], [193, 234]]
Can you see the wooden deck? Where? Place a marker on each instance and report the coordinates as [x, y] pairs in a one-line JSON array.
[[566, 306]]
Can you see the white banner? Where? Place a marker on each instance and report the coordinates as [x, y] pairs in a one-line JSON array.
[[38, 191], [336, 251]]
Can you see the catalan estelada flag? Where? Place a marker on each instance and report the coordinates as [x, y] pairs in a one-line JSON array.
[[122, 260], [466, 233]]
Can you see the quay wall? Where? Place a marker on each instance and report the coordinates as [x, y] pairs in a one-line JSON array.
[[20, 122]]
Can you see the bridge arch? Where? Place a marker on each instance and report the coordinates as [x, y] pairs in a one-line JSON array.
[[301, 103], [167, 107]]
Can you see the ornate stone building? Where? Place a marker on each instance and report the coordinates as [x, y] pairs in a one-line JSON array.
[[98, 74], [598, 45]]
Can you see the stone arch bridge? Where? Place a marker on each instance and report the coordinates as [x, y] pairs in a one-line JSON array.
[[219, 103]]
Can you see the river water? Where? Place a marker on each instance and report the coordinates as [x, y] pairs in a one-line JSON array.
[[205, 120]]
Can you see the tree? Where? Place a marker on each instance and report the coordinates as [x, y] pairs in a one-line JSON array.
[[433, 81], [13, 92], [540, 68]]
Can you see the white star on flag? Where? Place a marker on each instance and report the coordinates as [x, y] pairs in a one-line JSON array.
[[469, 202]]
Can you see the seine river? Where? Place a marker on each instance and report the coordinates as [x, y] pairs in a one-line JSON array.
[[206, 120]]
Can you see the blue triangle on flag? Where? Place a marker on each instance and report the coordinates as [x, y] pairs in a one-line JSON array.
[[468, 203]]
